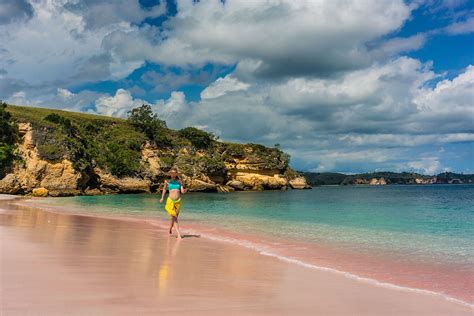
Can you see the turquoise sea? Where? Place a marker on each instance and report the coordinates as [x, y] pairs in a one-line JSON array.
[[430, 225], [426, 221]]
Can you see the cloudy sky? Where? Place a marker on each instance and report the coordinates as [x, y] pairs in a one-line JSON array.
[[345, 86]]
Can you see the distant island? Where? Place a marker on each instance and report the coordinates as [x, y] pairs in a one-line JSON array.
[[47, 152], [383, 178]]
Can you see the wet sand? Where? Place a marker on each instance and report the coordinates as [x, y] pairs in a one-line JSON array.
[[57, 264]]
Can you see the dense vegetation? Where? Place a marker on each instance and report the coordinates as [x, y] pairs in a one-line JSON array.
[[115, 144], [329, 178], [200, 139], [451, 177], [148, 122], [87, 140], [8, 135], [325, 178]]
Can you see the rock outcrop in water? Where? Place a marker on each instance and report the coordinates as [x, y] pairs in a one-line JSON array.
[[62, 161]]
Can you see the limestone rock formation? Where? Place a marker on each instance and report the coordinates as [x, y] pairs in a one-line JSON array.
[[194, 185], [247, 179], [112, 184], [236, 185], [59, 178], [375, 181], [299, 183], [223, 170], [40, 192], [10, 184]]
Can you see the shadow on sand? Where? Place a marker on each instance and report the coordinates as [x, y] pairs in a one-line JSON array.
[[189, 236]]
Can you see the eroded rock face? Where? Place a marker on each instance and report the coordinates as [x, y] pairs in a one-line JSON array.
[[59, 178], [10, 184], [151, 161], [199, 185], [256, 180], [237, 185], [224, 188], [40, 192], [112, 184], [375, 181], [426, 181], [299, 183]]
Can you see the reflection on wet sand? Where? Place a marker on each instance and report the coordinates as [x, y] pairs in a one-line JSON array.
[[139, 255], [166, 266], [56, 264]]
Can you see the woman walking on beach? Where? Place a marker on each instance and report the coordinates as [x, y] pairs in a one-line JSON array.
[[173, 202]]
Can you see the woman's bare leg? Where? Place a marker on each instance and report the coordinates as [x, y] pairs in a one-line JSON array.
[[177, 227], [171, 225]]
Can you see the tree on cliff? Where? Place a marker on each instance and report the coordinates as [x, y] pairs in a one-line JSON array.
[[200, 139], [7, 139], [148, 122]]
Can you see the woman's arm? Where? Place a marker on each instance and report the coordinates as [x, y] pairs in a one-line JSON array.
[[183, 189], [163, 191]]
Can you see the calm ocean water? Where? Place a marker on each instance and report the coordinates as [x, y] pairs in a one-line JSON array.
[[433, 223]]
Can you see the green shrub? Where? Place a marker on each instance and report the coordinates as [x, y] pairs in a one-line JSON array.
[[162, 138], [167, 161], [121, 161], [8, 135], [148, 122], [55, 142], [56, 118], [274, 157], [7, 126], [186, 164], [115, 148], [211, 165], [6, 157], [200, 139], [63, 122], [259, 149], [234, 150], [50, 152]]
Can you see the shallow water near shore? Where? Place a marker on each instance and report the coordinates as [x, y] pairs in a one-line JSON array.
[[414, 236], [54, 263]]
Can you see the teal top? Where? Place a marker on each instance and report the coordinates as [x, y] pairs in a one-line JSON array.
[[174, 185]]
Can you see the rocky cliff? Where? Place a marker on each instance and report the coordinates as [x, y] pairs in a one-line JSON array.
[[81, 155]]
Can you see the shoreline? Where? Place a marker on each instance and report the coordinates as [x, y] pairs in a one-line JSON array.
[[29, 195], [261, 255], [372, 268], [273, 247]]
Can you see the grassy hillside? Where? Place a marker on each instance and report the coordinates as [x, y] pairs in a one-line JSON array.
[[115, 144], [85, 139]]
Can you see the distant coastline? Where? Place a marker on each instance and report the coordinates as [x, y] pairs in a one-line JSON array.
[[386, 178]]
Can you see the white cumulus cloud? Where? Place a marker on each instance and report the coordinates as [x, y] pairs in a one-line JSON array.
[[117, 105], [222, 86]]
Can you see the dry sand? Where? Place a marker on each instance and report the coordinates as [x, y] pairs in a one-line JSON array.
[[62, 264]]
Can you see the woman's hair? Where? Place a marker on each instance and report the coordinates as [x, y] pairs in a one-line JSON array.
[[171, 171]]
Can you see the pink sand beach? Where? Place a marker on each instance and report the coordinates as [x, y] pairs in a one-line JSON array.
[[55, 263]]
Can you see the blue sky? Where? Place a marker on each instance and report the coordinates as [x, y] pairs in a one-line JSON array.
[[342, 86]]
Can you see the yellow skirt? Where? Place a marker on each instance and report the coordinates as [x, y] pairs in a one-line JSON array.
[[173, 207]]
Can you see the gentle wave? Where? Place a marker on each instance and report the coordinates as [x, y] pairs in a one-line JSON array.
[[266, 251]]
